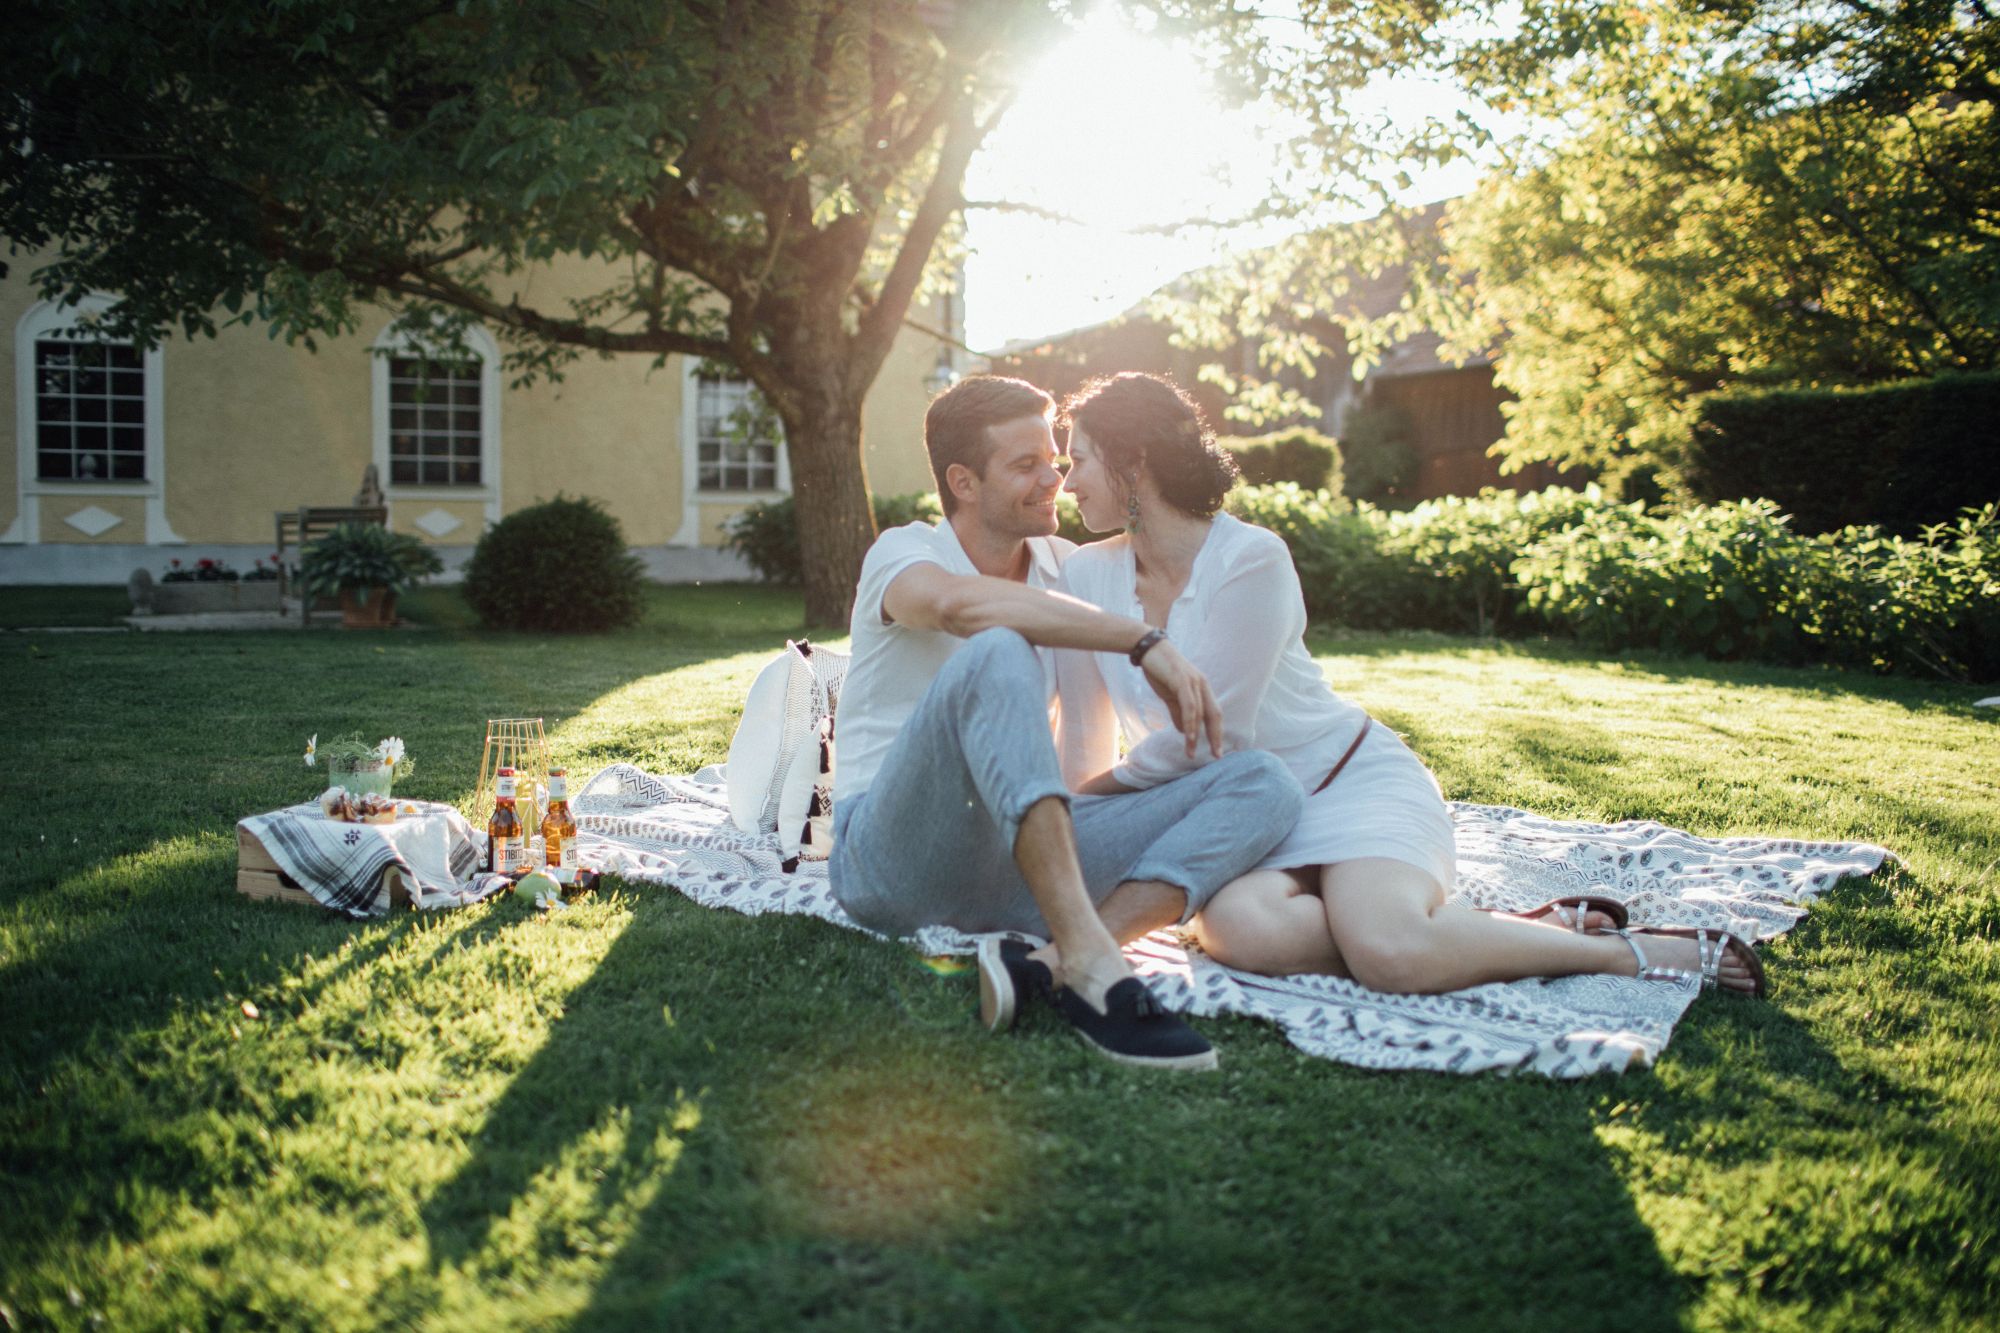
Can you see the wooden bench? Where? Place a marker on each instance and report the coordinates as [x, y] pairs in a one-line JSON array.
[[305, 525]]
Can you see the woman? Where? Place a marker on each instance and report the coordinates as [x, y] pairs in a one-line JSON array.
[[1359, 887]]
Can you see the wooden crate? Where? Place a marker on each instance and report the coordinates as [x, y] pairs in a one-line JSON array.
[[258, 876]]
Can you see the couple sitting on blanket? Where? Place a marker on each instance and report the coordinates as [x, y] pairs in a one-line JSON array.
[[1251, 803]]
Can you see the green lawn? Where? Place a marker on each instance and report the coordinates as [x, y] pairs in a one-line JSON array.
[[638, 1113]]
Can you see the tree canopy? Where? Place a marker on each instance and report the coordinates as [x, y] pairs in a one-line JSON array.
[[1689, 195], [764, 183]]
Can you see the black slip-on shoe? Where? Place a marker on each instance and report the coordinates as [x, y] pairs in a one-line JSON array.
[[1135, 1030], [1008, 979]]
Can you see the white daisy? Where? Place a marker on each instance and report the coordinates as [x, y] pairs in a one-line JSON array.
[[312, 750]]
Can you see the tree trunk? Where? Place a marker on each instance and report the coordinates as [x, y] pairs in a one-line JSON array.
[[830, 491]]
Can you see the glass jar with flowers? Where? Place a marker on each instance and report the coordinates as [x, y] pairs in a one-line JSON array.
[[358, 766]]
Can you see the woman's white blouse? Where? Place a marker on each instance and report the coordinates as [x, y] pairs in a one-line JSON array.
[[1241, 620]]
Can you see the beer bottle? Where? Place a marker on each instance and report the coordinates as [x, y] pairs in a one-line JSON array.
[[506, 847], [559, 830]]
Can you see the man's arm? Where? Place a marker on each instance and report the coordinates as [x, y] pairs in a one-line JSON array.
[[928, 596]]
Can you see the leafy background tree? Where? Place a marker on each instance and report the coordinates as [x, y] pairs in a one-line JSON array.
[[1747, 194], [1688, 195]]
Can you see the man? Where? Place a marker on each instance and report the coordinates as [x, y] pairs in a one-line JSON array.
[[950, 803]]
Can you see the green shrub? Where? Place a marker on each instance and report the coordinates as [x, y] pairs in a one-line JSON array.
[[1455, 556], [558, 567], [1296, 454], [766, 534], [1376, 454], [1901, 456], [1728, 581]]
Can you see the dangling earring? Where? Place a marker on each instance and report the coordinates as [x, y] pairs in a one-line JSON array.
[[1132, 506]]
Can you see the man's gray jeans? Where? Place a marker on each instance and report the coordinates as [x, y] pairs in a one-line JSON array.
[[931, 842]]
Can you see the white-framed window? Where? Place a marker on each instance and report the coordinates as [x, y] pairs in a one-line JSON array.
[[90, 411], [89, 415], [437, 418], [732, 445], [737, 437], [435, 415]]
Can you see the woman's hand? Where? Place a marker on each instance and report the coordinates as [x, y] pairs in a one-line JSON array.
[[1187, 695]]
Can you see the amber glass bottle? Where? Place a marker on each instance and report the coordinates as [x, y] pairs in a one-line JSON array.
[[506, 847], [559, 830]]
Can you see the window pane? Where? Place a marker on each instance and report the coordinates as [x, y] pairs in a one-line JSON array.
[[466, 472], [53, 465], [402, 418], [125, 355], [92, 409], [436, 447], [436, 472], [53, 354], [466, 395], [88, 381], [128, 467], [466, 419], [92, 438], [87, 354], [131, 383], [436, 418], [402, 446], [128, 440], [52, 382], [129, 410], [53, 408], [53, 437], [402, 472]]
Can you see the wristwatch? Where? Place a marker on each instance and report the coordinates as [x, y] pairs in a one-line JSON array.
[[1145, 645]]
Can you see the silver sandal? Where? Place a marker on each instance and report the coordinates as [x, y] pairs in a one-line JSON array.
[[1711, 947]]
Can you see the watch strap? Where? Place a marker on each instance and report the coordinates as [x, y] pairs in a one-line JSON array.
[[1145, 645]]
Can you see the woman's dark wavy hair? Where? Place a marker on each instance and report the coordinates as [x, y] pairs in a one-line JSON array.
[[1135, 418]]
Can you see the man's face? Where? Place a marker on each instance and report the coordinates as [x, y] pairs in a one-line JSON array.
[[1016, 497]]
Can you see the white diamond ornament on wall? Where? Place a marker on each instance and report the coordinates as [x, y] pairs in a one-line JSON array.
[[437, 523], [92, 521]]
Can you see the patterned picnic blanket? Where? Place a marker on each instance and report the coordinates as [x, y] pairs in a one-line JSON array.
[[676, 831]]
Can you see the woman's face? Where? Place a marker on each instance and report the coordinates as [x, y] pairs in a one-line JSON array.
[[1100, 496]]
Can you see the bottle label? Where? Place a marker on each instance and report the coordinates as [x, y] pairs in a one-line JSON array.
[[558, 787], [509, 857], [503, 787]]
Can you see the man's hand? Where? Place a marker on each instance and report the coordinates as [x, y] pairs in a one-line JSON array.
[[1186, 694]]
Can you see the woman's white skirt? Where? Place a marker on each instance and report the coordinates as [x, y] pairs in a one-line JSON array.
[[1384, 803]]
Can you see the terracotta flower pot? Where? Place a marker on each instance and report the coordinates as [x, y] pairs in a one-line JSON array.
[[378, 612]]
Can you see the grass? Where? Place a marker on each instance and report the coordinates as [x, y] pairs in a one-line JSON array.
[[51, 606], [639, 1113]]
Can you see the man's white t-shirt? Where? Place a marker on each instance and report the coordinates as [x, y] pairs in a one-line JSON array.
[[893, 664]]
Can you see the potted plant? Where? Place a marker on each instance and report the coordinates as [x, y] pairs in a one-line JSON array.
[[367, 567]]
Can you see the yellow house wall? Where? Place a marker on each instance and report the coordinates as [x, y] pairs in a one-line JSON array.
[[129, 509], [253, 426]]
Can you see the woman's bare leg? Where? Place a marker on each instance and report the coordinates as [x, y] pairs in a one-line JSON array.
[[1268, 922], [1391, 924]]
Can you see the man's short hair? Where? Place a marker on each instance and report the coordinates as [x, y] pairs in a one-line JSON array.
[[955, 428]]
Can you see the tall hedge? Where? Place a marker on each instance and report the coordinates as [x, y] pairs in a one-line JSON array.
[[1296, 454], [1899, 456]]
